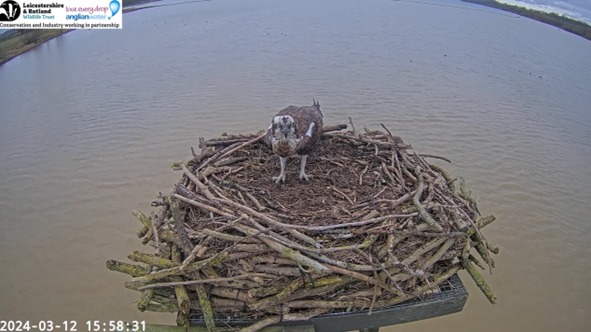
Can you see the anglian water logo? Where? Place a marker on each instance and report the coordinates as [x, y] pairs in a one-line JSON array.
[[10, 10], [114, 6]]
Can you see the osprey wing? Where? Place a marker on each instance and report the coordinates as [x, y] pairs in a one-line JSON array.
[[309, 123]]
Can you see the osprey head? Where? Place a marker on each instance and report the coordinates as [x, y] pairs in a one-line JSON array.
[[283, 127]]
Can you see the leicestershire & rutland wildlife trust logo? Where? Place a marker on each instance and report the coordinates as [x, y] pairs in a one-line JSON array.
[[9, 11]]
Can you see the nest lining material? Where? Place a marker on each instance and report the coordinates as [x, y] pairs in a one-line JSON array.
[[376, 225]]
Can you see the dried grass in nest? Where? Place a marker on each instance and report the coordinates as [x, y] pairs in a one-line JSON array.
[[376, 225]]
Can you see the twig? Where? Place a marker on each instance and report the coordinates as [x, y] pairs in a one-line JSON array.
[[362, 174], [336, 190], [352, 125], [338, 127], [423, 214], [479, 280], [434, 156], [371, 141], [205, 281], [300, 316], [283, 250], [203, 206], [198, 183], [252, 141]]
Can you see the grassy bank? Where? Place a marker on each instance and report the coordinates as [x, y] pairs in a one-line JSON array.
[[577, 27], [18, 41]]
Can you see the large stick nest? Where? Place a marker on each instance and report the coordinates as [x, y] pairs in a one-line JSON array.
[[376, 225]]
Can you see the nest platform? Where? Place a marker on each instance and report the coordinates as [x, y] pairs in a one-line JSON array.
[[377, 227]]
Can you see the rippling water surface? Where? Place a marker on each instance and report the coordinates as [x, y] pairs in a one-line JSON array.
[[90, 122]]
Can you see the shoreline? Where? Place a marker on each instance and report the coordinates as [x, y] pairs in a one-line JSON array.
[[45, 35], [567, 24]]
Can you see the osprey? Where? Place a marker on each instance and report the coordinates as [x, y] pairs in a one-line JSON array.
[[294, 130]]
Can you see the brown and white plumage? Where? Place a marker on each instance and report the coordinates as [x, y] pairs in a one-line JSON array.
[[294, 130]]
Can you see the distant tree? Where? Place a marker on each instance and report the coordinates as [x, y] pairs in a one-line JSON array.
[[31, 36]]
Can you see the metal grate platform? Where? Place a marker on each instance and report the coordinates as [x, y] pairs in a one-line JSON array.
[[448, 298]]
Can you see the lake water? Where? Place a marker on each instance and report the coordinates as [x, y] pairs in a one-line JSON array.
[[91, 121]]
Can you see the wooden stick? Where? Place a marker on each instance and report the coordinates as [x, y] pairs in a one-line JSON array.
[[266, 218], [283, 250], [342, 194], [204, 281], [152, 260], [300, 316], [423, 214], [182, 295], [479, 280], [371, 141], [422, 250], [203, 206], [364, 278], [437, 256], [179, 219], [338, 127], [205, 305], [145, 300], [435, 157], [484, 221], [131, 269], [231, 293], [198, 183], [273, 222], [252, 141], [157, 307]]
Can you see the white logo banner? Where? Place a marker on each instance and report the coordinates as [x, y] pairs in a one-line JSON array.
[[61, 14]]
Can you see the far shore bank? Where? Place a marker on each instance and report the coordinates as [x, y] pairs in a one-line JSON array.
[[579, 28]]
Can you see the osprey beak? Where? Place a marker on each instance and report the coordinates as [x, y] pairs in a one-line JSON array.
[[285, 131]]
